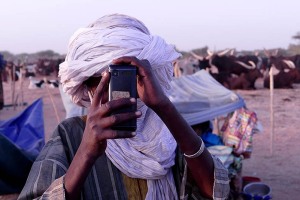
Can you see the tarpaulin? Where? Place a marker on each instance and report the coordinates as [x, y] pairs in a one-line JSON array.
[[199, 97], [26, 130]]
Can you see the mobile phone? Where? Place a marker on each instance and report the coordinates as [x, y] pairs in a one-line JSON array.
[[123, 85]]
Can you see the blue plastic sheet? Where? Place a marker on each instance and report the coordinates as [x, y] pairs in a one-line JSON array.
[[26, 130], [211, 139]]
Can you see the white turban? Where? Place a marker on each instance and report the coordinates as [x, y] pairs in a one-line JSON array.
[[150, 154], [92, 49]]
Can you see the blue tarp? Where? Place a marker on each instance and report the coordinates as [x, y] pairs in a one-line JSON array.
[[26, 130], [199, 97]]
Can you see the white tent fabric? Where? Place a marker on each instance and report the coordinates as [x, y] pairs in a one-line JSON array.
[[199, 97]]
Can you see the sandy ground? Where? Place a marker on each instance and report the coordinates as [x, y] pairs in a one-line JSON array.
[[275, 158]]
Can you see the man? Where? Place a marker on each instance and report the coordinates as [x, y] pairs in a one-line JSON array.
[[2, 66], [87, 159]]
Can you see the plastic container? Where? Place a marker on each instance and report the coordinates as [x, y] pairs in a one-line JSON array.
[[257, 191]]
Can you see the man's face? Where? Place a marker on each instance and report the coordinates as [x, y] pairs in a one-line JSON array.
[[92, 84]]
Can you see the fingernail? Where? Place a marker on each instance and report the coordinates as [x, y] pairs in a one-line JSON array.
[[138, 113], [104, 73], [133, 133], [133, 100]]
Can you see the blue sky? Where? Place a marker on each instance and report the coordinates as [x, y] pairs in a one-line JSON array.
[[34, 25]]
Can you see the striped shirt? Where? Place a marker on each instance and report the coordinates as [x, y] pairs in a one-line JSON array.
[[105, 181]]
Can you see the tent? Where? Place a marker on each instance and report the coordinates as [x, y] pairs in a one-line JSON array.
[[26, 130], [199, 97], [21, 140]]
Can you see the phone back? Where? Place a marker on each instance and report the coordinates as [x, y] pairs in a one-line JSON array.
[[123, 85]]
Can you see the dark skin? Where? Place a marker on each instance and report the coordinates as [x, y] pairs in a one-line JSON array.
[[99, 123]]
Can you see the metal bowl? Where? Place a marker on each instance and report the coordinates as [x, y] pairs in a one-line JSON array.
[[257, 189]]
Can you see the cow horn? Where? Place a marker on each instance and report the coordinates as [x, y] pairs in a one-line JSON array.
[[177, 72], [252, 64], [232, 52], [196, 56], [210, 53], [290, 64], [244, 65], [222, 53]]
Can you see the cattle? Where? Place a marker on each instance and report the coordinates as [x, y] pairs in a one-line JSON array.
[[46, 67], [283, 79], [185, 66], [245, 81], [231, 65], [286, 70], [30, 70], [232, 72], [261, 63], [242, 71], [296, 60], [223, 78]]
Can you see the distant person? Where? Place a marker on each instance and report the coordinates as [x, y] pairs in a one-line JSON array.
[[72, 110], [2, 68], [164, 159]]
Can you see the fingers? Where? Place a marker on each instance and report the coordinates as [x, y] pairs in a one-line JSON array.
[[119, 118], [107, 122], [127, 60], [142, 65], [117, 134], [103, 119], [101, 89], [114, 105]]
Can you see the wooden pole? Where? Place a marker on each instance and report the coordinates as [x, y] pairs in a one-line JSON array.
[[271, 109], [22, 72], [13, 87], [53, 104]]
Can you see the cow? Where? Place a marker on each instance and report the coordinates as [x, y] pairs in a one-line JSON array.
[[246, 81], [286, 70], [282, 78], [185, 66], [227, 69], [48, 66], [231, 64]]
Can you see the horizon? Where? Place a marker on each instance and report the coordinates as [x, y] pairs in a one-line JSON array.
[[35, 26]]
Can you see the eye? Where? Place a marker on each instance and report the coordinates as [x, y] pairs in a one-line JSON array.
[[92, 82]]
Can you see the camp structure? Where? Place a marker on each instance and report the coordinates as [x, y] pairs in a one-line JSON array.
[[202, 100], [199, 97]]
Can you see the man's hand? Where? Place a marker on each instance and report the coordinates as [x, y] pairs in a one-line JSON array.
[[149, 90]]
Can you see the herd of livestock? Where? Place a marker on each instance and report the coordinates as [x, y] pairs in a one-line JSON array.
[[242, 71], [232, 71]]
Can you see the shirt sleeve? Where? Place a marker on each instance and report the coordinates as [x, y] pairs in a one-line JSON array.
[[45, 180]]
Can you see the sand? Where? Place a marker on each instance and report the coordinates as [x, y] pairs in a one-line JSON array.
[[275, 158]]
